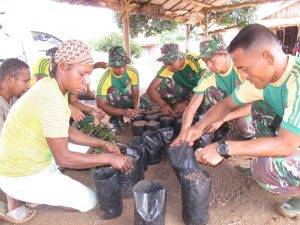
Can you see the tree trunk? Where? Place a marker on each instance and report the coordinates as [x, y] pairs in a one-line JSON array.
[[187, 38], [126, 33]]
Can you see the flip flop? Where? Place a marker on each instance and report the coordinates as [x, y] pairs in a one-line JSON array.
[[287, 210], [3, 215]]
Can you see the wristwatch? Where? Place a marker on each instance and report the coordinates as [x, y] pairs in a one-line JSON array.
[[223, 149]]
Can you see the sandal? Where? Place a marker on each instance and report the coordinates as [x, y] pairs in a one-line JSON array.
[[290, 208], [30, 213]]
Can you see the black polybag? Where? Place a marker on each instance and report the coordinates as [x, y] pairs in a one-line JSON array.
[[149, 203], [138, 130], [221, 133], [152, 117], [140, 116], [154, 147], [183, 159], [108, 191], [177, 126], [166, 135], [195, 191], [204, 140], [152, 125], [166, 121], [129, 179], [138, 143]]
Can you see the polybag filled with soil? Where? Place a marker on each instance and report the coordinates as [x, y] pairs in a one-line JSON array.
[[166, 121], [166, 135], [138, 127], [152, 117], [140, 116], [154, 147], [129, 179], [138, 143], [152, 125], [177, 126], [203, 141], [108, 191], [195, 191], [183, 159], [149, 203]]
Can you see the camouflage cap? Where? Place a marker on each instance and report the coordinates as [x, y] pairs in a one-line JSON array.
[[170, 52], [117, 57], [211, 45]]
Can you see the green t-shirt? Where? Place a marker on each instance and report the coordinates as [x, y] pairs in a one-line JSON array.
[[283, 95], [121, 83], [188, 76], [224, 82]]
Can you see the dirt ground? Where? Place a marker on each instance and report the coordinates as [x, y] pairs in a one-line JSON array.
[[235, 199]]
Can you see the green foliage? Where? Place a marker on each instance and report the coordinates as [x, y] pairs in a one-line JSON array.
[[236, 17], [173, 36], [113, 39], [142, 24]]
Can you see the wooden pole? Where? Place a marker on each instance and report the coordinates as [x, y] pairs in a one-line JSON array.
[[205, 24], [125, 19]]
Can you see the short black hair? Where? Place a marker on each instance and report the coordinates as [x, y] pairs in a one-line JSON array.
[[11, 67], [250, 34]]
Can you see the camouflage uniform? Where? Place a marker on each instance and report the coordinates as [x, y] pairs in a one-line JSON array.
[[279, 175], [176, 87], [116, 89], [216, 86]]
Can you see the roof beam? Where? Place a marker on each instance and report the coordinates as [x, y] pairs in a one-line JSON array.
[[236, 6]]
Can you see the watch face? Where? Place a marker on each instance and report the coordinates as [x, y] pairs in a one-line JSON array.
[[223, 149]]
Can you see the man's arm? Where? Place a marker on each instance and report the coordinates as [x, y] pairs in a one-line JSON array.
[[135, 96], [110, 110], [236, 114], [155, 96], [187, 118], [216, 113], [74, 100], [285, 144]]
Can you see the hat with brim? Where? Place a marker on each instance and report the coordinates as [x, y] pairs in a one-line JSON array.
[[212, 45], [117, 57], [170, 57]]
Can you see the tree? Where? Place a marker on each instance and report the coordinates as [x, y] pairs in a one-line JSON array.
[[233, 18], [113, 39], [142, 24]]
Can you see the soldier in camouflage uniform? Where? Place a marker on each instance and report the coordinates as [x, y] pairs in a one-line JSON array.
[[118, 89], [216, 84], [274, 77], [172, 88]]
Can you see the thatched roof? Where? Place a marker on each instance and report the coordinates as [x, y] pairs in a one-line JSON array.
[[287, 14], [184, 11]]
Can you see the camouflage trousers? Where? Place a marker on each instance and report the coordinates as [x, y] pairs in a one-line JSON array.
[[242, 127], [278, 175], [173, 93], [124, 100]]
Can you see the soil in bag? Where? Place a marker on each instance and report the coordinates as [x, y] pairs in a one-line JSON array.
[[138, 144], [138, 127], [183, 159], [203, 141], [154, 147], [129, 179], [140, 116], [149, 203], [166, 121], [195, 191], [108, 191], [152, 125], [152, 117]]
